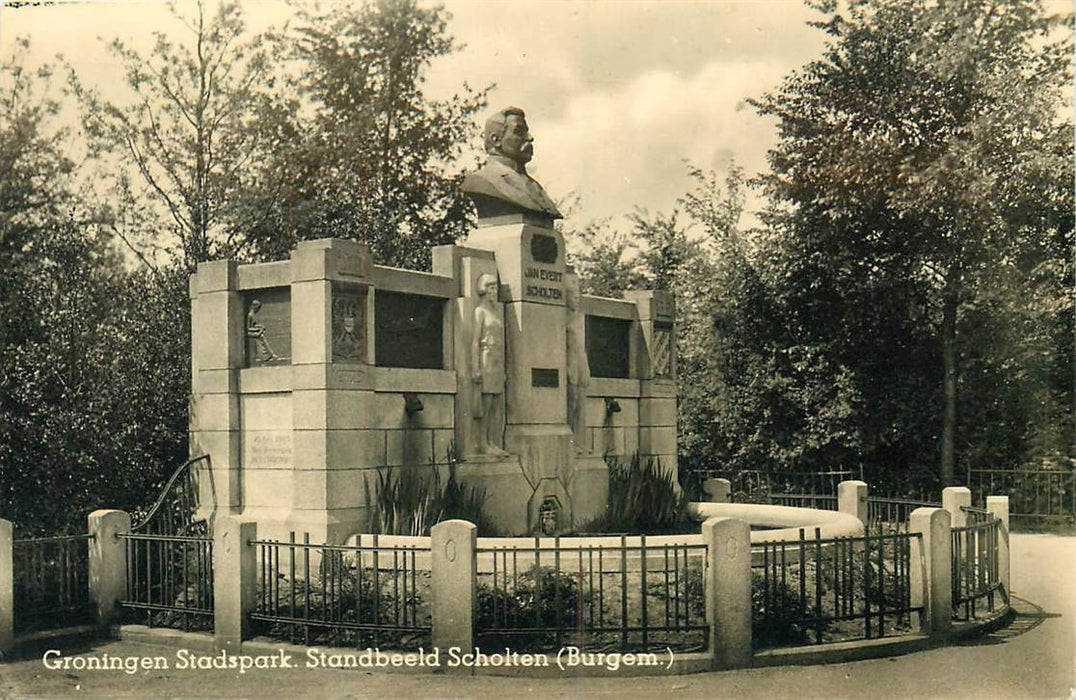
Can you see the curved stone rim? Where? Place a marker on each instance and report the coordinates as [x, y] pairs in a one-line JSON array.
[[788, 521]]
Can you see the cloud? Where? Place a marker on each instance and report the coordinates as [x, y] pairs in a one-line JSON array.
[[627, 147], [620, 94]]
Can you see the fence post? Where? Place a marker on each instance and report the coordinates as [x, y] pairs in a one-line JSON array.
[[717, 490], [728, 591], [7, 588], [108, 561], [235, 564], [954, 500], [932, 584], [998, 506], [852, 499], [454, 578]]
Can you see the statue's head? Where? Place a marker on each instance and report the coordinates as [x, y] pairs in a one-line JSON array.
[[507, 134], [487, 286]]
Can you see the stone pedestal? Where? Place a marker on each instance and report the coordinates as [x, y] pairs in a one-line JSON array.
[[531, 264]]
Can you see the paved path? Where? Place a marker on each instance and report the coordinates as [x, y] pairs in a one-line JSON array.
[[1035, 657]]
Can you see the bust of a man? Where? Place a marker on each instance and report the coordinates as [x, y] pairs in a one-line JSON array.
[[502, 185]]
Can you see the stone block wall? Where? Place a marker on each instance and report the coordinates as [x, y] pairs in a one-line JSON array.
[[298, 415], [646, 398]]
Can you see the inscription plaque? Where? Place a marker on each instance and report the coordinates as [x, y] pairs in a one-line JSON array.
[[408, 330], [267, 449], [664, 306], [549, 378], [544, 248], [608, 347], [541, 284]]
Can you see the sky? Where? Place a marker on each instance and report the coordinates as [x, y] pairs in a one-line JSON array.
[[619, 95]]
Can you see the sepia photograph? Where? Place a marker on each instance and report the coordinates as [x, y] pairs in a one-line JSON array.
[[537, 348]]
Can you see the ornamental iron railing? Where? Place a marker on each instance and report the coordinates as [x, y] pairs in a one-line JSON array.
[[629, 594], [374, 593], [169, 580], [836, 589], [51, 582]]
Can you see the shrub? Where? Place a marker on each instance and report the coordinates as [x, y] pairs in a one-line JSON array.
[[346, 591], [412, 499], [779, 621], [643, 499], [541, 597]]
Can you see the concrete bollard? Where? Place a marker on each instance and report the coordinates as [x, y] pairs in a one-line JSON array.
[[7, 588], [454, 577], [728, 591], [954, 500], [108, 561], [852, 499], [998, 506], [235, 564], [931, 584], [717, 490]]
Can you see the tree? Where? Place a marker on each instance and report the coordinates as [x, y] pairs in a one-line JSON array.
[[703, 262], [926, 152], [604, 258], [667, 253], [95, 376], [373, 162], [177, 156], [34, 172]]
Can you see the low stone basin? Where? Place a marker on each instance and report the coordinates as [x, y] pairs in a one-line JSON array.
[[783, 523]]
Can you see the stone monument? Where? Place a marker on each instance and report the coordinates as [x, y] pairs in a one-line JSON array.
[[310, 376]]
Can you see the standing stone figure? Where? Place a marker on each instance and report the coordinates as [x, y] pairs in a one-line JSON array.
[[578, 369], [502, 185], [487, 368]]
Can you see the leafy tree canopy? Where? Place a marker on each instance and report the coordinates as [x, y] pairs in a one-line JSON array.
[[924, 168], [373, 158]]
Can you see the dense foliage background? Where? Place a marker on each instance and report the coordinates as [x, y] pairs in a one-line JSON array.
[[903, 306]]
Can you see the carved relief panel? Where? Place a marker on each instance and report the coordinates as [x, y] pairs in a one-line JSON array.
[[662, 353], [348, 323], [267, 326]]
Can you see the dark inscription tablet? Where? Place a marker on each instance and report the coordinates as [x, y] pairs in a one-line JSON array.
[[544, 248], [408, 330], [608, 347], [549, 378]]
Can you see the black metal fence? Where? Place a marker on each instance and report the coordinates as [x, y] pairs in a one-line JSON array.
[[618, 596], [51, 582], [753, 486], [893, 513], [1036, 496], [974, 516], [372, 593], [174, 512], [828, 590], [804, 500], [976, 575], [169, 580]]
